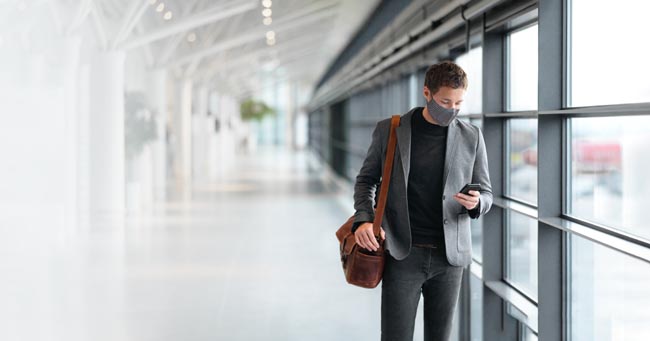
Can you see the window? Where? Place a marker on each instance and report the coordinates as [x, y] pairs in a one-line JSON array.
[[527, 334], [521, 253], [477, 224], [476, 308], [608, 182], [477, 239], [608, 63], [522, 70], [522, 160], [608, 294], [472, 63], [524, 324]]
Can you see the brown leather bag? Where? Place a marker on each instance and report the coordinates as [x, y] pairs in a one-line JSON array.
[[363, 267]]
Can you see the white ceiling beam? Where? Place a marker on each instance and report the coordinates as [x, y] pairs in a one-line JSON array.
[[207, 40], [251, 36], [98, 22], [293, 48], [234, 70], [83, 10], [56, 16], [243, 80], [297, 14], [174, 41], [216, 14], [170, 47], [229, 28], [148, 54], [133, 15]]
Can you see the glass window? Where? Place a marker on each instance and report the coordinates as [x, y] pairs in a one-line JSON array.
[[525, 322], [608, 181], [521, 253], [522, 160], [477, 224], [608, 294], [477, 239], [609, 62], [476, 308], [472, 63], [528, 334], [415, 91], [522, 70]]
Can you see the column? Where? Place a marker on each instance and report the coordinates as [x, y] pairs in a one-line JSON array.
[[157, 99], [185, 130], [106, 136]]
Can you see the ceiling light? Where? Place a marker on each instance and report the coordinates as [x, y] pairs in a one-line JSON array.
[[267, 12], [267, 3], [161, 7], [270, 35], [191, 37], [270, 42], [268, 21], [168, 15]]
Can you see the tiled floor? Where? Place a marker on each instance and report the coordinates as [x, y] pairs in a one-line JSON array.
[[251, 256]]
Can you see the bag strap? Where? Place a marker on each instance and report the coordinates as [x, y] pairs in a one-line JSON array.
[[388, 168]]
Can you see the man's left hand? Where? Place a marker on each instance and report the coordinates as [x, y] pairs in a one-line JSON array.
[[468, 201]]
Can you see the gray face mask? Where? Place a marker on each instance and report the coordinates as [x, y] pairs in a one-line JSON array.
[[442, 115]]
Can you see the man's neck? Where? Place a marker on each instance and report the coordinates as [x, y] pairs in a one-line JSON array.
[[428, 118]]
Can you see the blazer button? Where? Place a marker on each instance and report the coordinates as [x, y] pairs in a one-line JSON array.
[[445, 221]]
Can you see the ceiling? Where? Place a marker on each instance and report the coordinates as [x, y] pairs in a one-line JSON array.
[[224, 43]]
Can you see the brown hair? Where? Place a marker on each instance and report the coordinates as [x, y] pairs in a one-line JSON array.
[[445, 73]]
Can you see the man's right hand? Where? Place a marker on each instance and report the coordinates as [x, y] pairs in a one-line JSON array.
[[365, 237]]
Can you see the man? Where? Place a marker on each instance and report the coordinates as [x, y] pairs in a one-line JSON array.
[[427, 234]]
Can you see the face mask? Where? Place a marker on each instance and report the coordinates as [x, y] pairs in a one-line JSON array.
[[442, 115]]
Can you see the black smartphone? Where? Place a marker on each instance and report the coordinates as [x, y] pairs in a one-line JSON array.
[[470, 187]]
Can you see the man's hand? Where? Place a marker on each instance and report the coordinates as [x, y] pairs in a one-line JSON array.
[[365, 237], [468, 201]]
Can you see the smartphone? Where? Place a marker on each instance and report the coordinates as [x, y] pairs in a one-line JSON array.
[[470, 187]]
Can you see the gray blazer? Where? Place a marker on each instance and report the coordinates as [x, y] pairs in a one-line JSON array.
[[465, 162]]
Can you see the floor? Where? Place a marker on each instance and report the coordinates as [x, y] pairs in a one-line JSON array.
[[249, 256]]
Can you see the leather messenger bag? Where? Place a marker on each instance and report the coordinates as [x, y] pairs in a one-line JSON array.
[[363, 267]]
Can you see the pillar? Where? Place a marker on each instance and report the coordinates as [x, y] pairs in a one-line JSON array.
[[106, 136]]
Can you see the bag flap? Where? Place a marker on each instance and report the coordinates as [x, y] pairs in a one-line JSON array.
[[345, 229]]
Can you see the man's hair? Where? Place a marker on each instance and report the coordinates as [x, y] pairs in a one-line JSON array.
[[447, 74]]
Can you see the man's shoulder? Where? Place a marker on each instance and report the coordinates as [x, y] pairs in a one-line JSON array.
[[467, 127], [385, 123]]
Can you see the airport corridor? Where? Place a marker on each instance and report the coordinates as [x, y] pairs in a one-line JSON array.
[[252, 256]]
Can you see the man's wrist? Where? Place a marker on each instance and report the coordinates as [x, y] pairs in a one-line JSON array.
[[356, 225]]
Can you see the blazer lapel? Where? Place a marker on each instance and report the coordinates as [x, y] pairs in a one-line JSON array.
[[403, 132], [452, 135]]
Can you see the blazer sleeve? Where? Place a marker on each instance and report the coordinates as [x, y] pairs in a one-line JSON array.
[[367, 180], [481, 175]]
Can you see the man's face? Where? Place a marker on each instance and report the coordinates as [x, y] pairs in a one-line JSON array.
[[446, 97]]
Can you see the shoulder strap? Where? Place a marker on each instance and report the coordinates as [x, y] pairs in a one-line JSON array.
[[388, 167]]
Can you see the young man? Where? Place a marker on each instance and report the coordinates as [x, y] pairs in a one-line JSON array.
[[426, 224]]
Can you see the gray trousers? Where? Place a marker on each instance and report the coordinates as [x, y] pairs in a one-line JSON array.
[[425, 272]]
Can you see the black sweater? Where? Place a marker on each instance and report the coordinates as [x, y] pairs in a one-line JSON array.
[[425, 187]]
